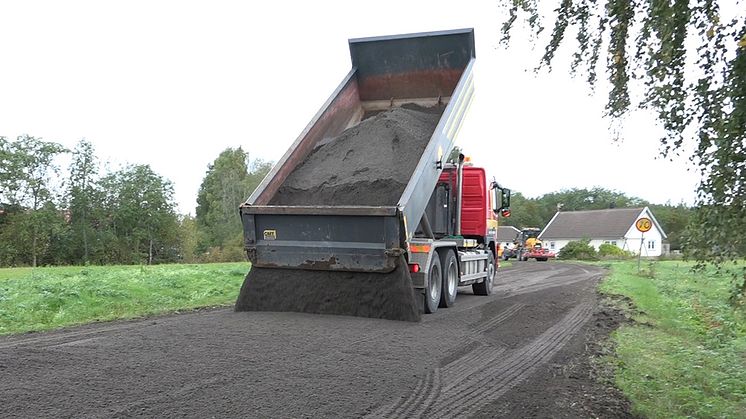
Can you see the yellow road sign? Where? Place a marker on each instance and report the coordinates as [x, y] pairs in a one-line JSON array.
[[644, 225]]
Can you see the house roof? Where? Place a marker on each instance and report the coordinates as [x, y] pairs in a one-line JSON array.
[[507, 233], [602, 224]]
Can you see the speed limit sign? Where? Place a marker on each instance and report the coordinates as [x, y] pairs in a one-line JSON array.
[[644, 225]]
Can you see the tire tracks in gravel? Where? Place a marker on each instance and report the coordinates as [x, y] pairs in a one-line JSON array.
[[72, 337], [485, 373], [431, 386], [66, 338], [491, 383], [551, 279], [128, 409]]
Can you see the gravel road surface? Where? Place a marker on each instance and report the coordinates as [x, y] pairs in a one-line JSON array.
[[522, 352]]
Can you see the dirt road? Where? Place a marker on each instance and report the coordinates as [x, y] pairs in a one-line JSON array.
[[522, 352]]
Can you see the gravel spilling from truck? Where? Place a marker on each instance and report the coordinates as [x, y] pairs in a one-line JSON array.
[[386, 296], [368, 164]]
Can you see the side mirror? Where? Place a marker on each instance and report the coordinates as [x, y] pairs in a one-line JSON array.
[[505, 199], [500, 200]]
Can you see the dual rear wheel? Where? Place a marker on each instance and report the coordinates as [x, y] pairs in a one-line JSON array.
[[485, 287], [443, 282]]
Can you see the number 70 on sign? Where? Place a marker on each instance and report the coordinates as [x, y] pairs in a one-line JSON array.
[[644, 225]]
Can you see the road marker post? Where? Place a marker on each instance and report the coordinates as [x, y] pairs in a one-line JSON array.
[[643, 225]]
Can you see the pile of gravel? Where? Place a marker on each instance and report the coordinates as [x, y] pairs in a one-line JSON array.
[[385, 296], [368, 164]]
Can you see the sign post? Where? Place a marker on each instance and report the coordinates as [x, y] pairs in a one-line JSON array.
[[643, 225]]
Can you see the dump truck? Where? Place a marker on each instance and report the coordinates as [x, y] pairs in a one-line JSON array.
[[362, 215]]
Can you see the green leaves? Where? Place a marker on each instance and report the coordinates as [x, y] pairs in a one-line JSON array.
[[128, 216], [141, 214], [228, 182], [578, 250], [28, 165], [25, 184], [525, 7], [688, 59]]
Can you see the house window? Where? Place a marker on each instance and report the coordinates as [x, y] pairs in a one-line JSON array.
[[651, 244], [551, 245], [613, 242]]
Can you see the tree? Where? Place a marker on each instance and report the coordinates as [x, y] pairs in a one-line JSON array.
[[689, 60], [526, 212], [7, 178], [26, 176], [84, 198], [453, 156], [674, 220], [188, 239], [576, 199], [141, 215], [229, 181]]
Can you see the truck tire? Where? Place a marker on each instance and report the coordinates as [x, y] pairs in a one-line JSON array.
[[434, 286], [449, 263], [485, 287]]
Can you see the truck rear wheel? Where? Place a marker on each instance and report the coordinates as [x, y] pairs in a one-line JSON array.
[[434, 286], [485, 287], [450, 278]]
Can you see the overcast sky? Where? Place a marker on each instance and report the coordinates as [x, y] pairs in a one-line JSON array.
[[173, 83]]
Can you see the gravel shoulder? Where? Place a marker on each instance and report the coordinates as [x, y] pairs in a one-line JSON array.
[[522, 352]]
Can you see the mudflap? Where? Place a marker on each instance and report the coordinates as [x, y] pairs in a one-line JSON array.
[[385, 296]]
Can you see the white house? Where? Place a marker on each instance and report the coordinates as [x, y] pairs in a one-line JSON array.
[[506, 236], [614, 226]]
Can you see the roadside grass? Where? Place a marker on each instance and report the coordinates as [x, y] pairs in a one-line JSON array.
[[37, 299], [685, 354]]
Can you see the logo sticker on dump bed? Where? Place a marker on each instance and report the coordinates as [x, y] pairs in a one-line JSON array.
[[270, 234]]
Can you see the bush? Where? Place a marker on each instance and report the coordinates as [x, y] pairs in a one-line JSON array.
[[579, 250], [609, 251], [231, 251]]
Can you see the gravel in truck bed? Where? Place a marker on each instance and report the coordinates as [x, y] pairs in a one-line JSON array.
[[368, 164]]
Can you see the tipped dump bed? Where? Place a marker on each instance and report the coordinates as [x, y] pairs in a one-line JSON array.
[[411, 93]]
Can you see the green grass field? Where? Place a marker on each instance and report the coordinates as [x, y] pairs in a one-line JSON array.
[[685, 356], [48, 298]]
